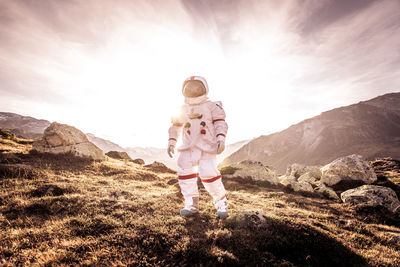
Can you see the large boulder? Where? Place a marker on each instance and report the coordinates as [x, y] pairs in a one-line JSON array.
[[253, 170], [350, 168], [372, 195], [62, 138]]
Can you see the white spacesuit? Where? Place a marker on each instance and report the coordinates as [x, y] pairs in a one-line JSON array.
[[203, 127]]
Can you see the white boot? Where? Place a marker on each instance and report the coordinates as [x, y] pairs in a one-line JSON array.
[[191, 207], [222, 208]]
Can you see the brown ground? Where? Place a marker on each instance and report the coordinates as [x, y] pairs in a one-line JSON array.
[[387, 168], [61, 210]]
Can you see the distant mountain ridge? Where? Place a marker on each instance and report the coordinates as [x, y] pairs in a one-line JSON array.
[[23, 126], [148, 154], [31, 128], [104, 144], [231, 148], [370, 128]]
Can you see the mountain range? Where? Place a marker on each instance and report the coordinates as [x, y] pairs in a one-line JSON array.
[[23, 126], [32, 128], [369, 128]]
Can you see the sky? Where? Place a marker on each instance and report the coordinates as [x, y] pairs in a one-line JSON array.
[[115, 68]]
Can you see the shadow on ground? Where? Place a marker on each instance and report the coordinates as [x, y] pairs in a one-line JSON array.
[[252, 239]]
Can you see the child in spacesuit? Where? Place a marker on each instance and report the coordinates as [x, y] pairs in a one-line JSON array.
[[203, 127]]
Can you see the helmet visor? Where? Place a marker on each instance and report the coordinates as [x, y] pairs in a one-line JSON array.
[[194, 88]]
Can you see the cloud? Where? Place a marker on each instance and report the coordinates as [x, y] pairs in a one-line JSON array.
[[358, 50], [330, 12]]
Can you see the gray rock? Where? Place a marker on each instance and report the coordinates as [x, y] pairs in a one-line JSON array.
[[254, 170], [62, 138], [298, 170], [246, 219], [372, 195], [326, 191], [286, 180], [309, 177], [348, 168], [295, 170], [301, 187]]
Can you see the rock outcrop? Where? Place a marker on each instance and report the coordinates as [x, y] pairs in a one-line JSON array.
[[62, 138], [118, 155], [252, 170], [301, 178], [328, 181], [298, 170], [320, 180], [372, 195], [350, 168]]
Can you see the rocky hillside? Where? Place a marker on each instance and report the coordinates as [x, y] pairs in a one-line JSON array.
[[65, 210], [230, 149], [104, 144], [23, 126], [370, 128]]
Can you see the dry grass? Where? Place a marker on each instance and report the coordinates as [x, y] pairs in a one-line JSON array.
[[61, 210], [387, 168], [10, 146]]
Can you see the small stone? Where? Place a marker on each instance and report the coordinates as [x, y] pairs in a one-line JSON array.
[[301, 187], [286, 180], [326, 192]]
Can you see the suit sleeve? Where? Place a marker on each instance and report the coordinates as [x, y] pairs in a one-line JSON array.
[[220, 125], [175, 129]]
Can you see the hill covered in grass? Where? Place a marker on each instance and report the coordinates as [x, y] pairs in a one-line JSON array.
[[63, 210]]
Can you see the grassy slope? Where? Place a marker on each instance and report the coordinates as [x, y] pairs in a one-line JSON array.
[[64, 210]]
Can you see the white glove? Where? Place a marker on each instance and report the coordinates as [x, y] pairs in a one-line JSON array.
[[171, 151], [220, 146]]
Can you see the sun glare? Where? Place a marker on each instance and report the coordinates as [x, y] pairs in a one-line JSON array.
[[141, 79], [129, 88]]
